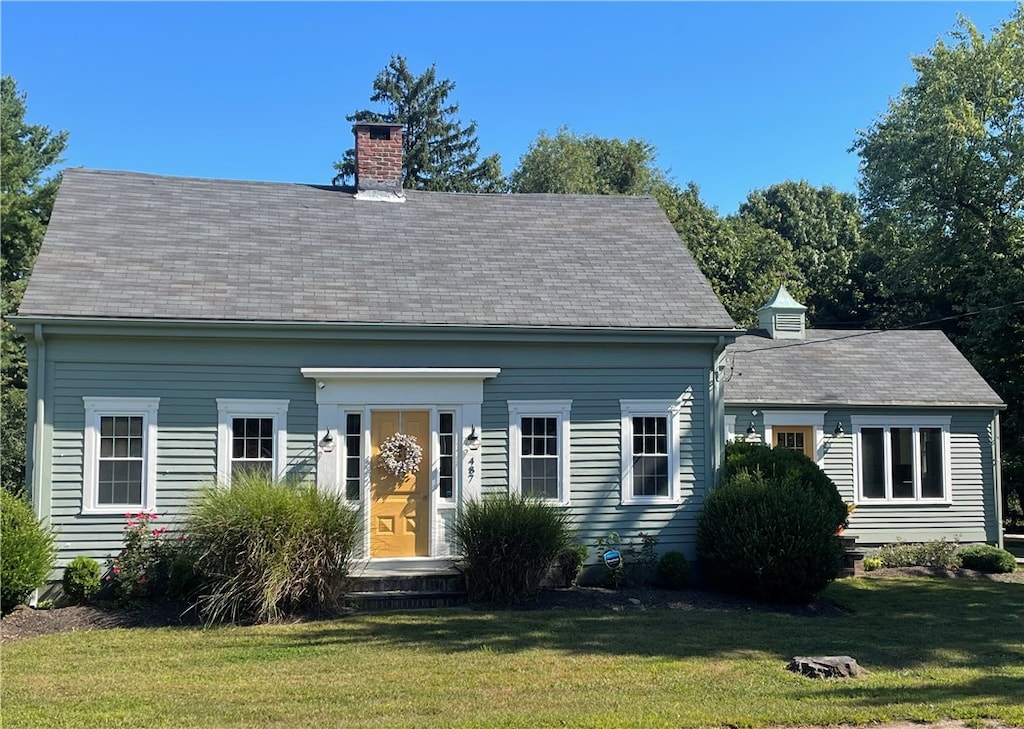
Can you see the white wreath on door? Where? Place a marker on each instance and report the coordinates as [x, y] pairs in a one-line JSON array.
[[401, 454]]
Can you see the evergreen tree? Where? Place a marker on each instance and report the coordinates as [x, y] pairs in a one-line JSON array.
[[28, 153], [438, 152]]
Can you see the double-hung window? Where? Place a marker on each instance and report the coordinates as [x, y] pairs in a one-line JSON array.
[[120, 454], [252, 437], [902, 459], [538, 432], [650, 452]]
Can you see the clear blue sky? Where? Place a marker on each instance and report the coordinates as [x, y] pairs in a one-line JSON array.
[[735, 96]]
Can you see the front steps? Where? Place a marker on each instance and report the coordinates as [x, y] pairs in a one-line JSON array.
[[407, 589]]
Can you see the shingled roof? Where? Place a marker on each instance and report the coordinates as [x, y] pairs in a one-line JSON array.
[[842, 367], [128, 245]]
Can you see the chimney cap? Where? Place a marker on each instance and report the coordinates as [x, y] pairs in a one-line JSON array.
[[387, 125]]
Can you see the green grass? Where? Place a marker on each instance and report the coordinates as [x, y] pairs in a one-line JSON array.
[[935, 648]]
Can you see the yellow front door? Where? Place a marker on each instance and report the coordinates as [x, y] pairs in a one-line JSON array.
[[400, 505], [796, 438]]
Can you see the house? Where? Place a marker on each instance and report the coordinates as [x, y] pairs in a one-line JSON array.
[[564, 346], [558, 345], [900, 420]]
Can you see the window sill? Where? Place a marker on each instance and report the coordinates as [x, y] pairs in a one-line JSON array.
[[903, 502], [116, 510], [651, 501]]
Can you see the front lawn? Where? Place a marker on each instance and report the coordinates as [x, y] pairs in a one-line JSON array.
[[936, 648]]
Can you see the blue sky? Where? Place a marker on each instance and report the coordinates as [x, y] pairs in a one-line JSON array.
[[734, 96]]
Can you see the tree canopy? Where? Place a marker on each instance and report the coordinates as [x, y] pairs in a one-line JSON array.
[[585, 164], [823, 229], [28, 153], [438, 152], [942, 187]]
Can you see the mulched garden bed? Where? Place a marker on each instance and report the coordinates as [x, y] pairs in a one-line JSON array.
[[25, 622]]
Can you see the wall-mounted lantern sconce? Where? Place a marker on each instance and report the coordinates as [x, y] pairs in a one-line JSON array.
[[327, 442], [839, 429], [752, 435], [472, 441]]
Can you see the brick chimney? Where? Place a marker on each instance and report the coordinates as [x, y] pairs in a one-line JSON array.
[[378, 159]]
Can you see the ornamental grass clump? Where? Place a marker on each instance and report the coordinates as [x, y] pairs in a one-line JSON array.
[[26, 551], [769, 530], [509, 543], [266, 549]]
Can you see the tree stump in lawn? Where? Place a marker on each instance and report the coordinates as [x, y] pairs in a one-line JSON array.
[[826, 666]]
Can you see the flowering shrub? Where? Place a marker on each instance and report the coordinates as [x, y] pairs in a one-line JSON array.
[[131, 574], [938, 553]]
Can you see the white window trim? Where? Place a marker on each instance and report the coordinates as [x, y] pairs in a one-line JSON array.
[[650, 408], [813, 418], [230, 408], [98, 407], [560, 409], [902, 421]]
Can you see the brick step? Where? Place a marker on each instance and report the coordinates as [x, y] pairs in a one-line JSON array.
[[407, 591], [405, 600]]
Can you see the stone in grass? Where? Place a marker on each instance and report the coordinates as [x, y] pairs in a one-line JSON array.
[[826, 666]]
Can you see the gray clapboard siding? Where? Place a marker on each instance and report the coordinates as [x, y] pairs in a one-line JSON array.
[[595, 438], [189, 375], [969, 517], [187, 435]]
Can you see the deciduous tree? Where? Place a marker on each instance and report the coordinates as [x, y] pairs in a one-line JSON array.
[[823, 227], [585, 164], [942, 186]]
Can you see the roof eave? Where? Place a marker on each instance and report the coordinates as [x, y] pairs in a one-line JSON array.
[[978, 405], [70, 323]]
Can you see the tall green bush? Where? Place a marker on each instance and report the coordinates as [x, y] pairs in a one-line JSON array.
[[786, 466], [769, 530], [26, 551], [265, 549], [509, 543]]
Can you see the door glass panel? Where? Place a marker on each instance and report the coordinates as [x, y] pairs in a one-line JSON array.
[[872, 457], [902, 444], [931, 463]]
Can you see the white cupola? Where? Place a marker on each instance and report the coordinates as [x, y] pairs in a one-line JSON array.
[[783, 316]]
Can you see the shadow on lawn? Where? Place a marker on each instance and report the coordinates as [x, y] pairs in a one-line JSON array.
[[893, 625]]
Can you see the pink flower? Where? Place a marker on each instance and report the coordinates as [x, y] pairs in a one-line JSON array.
[[142, 578], [127, 515], [117, 570]]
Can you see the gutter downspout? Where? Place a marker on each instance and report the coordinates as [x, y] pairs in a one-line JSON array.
[[38, 428], [997, 479], [717, 412], [37, 439]]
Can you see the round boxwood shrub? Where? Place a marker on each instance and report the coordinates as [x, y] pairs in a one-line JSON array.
[[673, 570], [509, 543], [985, 558], [769, 530], [788, 466], [26, 551], [81, 579]]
